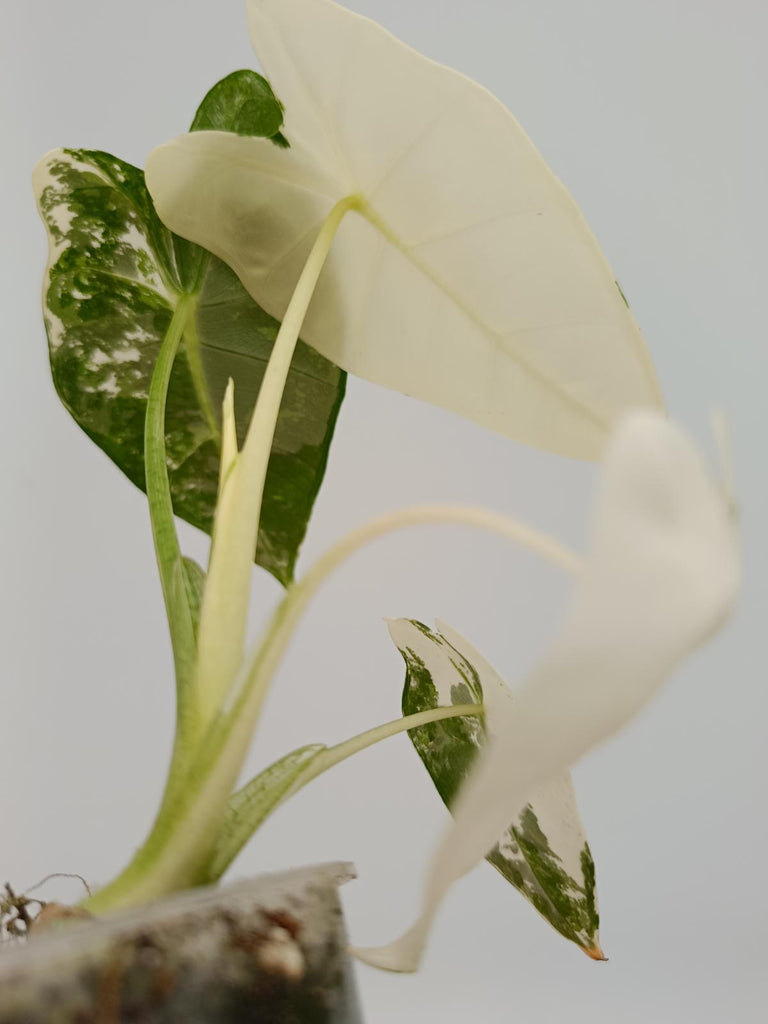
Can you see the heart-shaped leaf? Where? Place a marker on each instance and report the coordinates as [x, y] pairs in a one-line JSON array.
[[543, 853], [114, 277], [466, 275]]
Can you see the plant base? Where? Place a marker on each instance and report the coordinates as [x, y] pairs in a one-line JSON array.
[[271, 949]]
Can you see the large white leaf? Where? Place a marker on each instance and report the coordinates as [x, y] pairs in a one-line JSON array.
[[467, 278], [663, 575], [543, 852]]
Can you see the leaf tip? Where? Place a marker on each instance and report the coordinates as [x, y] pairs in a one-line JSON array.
[[228, 427], [385, 958], [595, 953]]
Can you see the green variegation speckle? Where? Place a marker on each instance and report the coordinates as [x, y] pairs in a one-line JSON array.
[[424, 630], [591, 912]]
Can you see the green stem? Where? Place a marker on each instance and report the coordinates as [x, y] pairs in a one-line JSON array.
[[167, 550], [255, 802], [175, 593]]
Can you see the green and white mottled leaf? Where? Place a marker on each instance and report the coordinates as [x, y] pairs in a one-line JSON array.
[[114, 277], [249, 806], [544, 852]]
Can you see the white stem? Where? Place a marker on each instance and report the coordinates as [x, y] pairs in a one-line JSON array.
[[251, 683], [221, 635]]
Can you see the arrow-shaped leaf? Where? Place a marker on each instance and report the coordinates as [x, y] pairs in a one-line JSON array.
[[115, 275], [544, 852]]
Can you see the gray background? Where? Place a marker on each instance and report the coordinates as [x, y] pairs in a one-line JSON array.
[[654, 116]]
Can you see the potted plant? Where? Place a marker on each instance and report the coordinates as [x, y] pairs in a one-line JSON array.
[[328, 202]]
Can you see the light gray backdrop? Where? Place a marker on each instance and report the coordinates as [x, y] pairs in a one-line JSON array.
[[654, 115]]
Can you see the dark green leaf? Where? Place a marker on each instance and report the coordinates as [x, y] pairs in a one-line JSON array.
[[543, 853], [242, 103]]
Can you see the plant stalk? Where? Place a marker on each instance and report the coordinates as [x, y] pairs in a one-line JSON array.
[[221, 636], [167, 550]]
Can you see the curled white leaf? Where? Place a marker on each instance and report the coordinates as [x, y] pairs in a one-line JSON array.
[[662, 577]]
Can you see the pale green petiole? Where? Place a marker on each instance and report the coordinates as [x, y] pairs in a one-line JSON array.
[[341, 751], [221, 635], [250, 806]]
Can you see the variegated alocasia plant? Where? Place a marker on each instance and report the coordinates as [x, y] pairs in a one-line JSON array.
[[413, 236]]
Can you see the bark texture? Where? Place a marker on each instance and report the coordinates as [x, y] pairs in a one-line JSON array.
[[271, 950]]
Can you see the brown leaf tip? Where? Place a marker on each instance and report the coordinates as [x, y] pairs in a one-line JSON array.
[[595, 953]]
